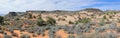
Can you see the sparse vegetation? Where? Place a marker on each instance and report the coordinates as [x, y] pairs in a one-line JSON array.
[[78, 24]]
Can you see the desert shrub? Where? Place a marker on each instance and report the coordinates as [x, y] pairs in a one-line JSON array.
[[65, 28], [110, 16], [17, 18], [71, 36], [30, 15], [31, 31], [47, 27], [30, 22], [7, 36], [58, 36], [118, 29], [63, 19], [1, 31], [70, 22], [88, 25], [1, 19], [78, 29], [101, 29], [34, 17], [111, 35], [3, 28], [83, 20], [102, 22], [11, 29], [15, 34], [71, 29], [22, 29], [98, 35], [104, 17], [51, 21], [34, 35], [52, 33], [41, 22], [25, 36], [38, 32], [106, 35], [113, 26], [54, 28], [41, 31]]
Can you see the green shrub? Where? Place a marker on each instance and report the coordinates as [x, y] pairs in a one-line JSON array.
[[104, 17], [30, 16], [70, 22], [1, 19], [83, 20], [51, 21], [110, 16], [40, 22], [25, 36]]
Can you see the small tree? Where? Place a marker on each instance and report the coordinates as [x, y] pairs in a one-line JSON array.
[[51, 21]]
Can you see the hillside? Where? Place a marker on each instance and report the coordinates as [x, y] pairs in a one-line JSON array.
[[86, 23]]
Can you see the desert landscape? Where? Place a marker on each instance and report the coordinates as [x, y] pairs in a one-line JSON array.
[[85, 23]]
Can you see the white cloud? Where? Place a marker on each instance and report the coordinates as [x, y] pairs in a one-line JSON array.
[[23, 5]]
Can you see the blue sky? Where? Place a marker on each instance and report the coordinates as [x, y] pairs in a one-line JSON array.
[[23, 5]]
